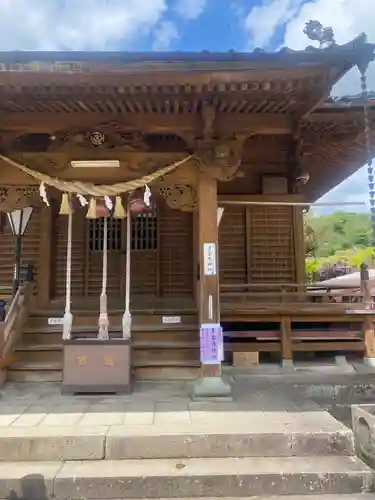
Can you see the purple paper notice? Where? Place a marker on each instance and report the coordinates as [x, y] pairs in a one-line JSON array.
[[211, 344]]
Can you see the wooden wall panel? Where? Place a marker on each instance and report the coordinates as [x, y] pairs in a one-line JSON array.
[[29, 252], [144, 272], [177, 276], [232, 246], [271, 244], [256, 245]]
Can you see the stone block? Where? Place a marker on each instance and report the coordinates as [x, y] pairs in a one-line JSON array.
[[26, 480], [223, 477], [363, 421], [52, 443], [215, 441]]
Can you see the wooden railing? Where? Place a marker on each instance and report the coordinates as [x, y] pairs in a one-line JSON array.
[[248, 296], [304, 318], [13, 321]]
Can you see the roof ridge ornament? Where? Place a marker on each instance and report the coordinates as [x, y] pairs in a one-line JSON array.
[[314, 30]]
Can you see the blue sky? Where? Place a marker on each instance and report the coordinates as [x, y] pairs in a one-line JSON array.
[[189, 25]]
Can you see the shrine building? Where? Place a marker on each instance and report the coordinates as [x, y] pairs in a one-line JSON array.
[[166, 191]]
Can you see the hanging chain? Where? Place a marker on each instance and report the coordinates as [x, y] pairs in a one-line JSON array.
[[370, 170]]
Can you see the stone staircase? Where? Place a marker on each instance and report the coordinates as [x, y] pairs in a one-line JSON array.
[[167, 351], [181, 460]]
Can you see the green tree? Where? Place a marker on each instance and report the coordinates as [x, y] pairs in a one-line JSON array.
[[337, 232]]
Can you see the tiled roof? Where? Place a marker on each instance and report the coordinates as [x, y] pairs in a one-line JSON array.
[[347, 101], [285, 55]]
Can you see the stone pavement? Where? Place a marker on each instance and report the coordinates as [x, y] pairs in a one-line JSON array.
[[155, 404], [157, 443]]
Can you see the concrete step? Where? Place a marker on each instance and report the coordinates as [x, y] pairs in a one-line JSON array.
[[188, 478], [92, 440]]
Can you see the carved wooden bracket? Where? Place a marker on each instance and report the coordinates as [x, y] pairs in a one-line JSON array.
[[16, 197], [104, 136], [180, 196], [47, 163], [220, 159]]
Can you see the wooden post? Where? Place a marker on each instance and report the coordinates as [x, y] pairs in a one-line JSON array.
[[368, 324], [299, 246], [286, 343], [211, 383], [47, 218]]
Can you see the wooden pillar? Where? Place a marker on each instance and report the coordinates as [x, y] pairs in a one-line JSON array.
[[208, 296], [211, 385], [286, 342], [44, 280], [368, 324]]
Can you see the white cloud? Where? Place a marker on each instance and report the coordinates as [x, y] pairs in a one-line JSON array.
[[165, 33], [352, 190], [76, 24], [348, 18], [190, 9], [263, 20]]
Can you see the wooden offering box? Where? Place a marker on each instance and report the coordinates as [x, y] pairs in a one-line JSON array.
[[97, 366]]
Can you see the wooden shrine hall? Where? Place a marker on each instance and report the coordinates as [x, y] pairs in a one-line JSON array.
[[167, 192]]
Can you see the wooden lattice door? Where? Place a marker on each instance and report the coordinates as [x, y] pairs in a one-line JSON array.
[[116, 259], [144, 255]]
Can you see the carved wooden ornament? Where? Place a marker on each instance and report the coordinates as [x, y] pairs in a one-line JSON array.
[[180, 196], [220, 159], [17, 197]]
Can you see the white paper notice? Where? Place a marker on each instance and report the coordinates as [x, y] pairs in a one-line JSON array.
[[209, 259], [55, 321], [170, 320]]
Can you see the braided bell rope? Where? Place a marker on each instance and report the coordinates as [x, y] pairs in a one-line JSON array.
[[68, 317], [103, 323], [89, 189]]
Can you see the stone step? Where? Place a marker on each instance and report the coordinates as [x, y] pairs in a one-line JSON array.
[[188, 478], [51, 370], [91, 439], [28, 371]]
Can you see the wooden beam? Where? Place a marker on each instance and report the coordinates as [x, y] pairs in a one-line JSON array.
[[225, 123], [270, 198]]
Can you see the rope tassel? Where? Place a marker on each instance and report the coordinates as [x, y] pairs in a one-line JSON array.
[[65, 208], [119, 212], [91, 212], [103, 315]]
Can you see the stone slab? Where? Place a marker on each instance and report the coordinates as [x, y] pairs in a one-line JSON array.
[[27, 480], [211, 478], [52, 443], [124, 442], [363, 423]]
